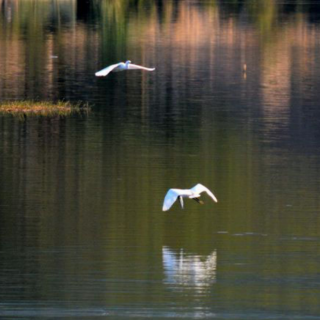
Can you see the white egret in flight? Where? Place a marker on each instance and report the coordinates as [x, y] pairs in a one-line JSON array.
[[121, 66], [193, 193]]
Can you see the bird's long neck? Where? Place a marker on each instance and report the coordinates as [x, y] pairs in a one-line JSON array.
[[127, 64]]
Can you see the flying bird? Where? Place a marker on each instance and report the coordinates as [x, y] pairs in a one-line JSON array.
[[193, 193], [121, 66]]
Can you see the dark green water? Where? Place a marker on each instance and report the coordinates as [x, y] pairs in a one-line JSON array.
[[82, 234]]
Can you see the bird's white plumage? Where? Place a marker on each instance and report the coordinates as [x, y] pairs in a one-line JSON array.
[[104, 72], [171, 198], [121, 66], [173, 194], [132, 66], [199, 188]]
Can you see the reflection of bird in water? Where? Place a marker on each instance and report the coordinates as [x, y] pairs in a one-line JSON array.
[[193, 193], [186, 269], [121, 66]]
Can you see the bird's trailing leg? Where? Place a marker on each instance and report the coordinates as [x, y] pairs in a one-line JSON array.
[[198, 200], [181, 201]]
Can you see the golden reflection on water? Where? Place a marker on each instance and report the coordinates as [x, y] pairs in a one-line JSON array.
[[193, 34]]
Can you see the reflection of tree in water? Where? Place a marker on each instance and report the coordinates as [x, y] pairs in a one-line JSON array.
[[259, 9], [189, 270], [310, 8]]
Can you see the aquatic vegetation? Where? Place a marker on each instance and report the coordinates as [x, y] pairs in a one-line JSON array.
[[41, 108]]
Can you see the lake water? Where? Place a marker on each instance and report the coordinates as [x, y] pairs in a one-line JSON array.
[[233, 104]]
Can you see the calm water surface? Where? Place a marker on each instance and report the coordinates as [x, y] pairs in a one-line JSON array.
[[82, 234]]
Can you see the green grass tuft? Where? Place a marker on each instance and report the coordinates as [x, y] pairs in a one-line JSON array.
[[43, 109]]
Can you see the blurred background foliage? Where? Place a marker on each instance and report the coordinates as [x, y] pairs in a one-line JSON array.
[[263, 14]]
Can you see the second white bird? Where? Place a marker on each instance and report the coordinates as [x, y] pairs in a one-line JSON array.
[[121, 66], [193, 193]]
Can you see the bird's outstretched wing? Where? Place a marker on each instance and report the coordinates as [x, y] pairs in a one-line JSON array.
[[170, 199], [201, 188], [132, 66], [104, 72]]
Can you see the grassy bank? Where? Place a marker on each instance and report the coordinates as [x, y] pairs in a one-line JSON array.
[[44, 109]]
